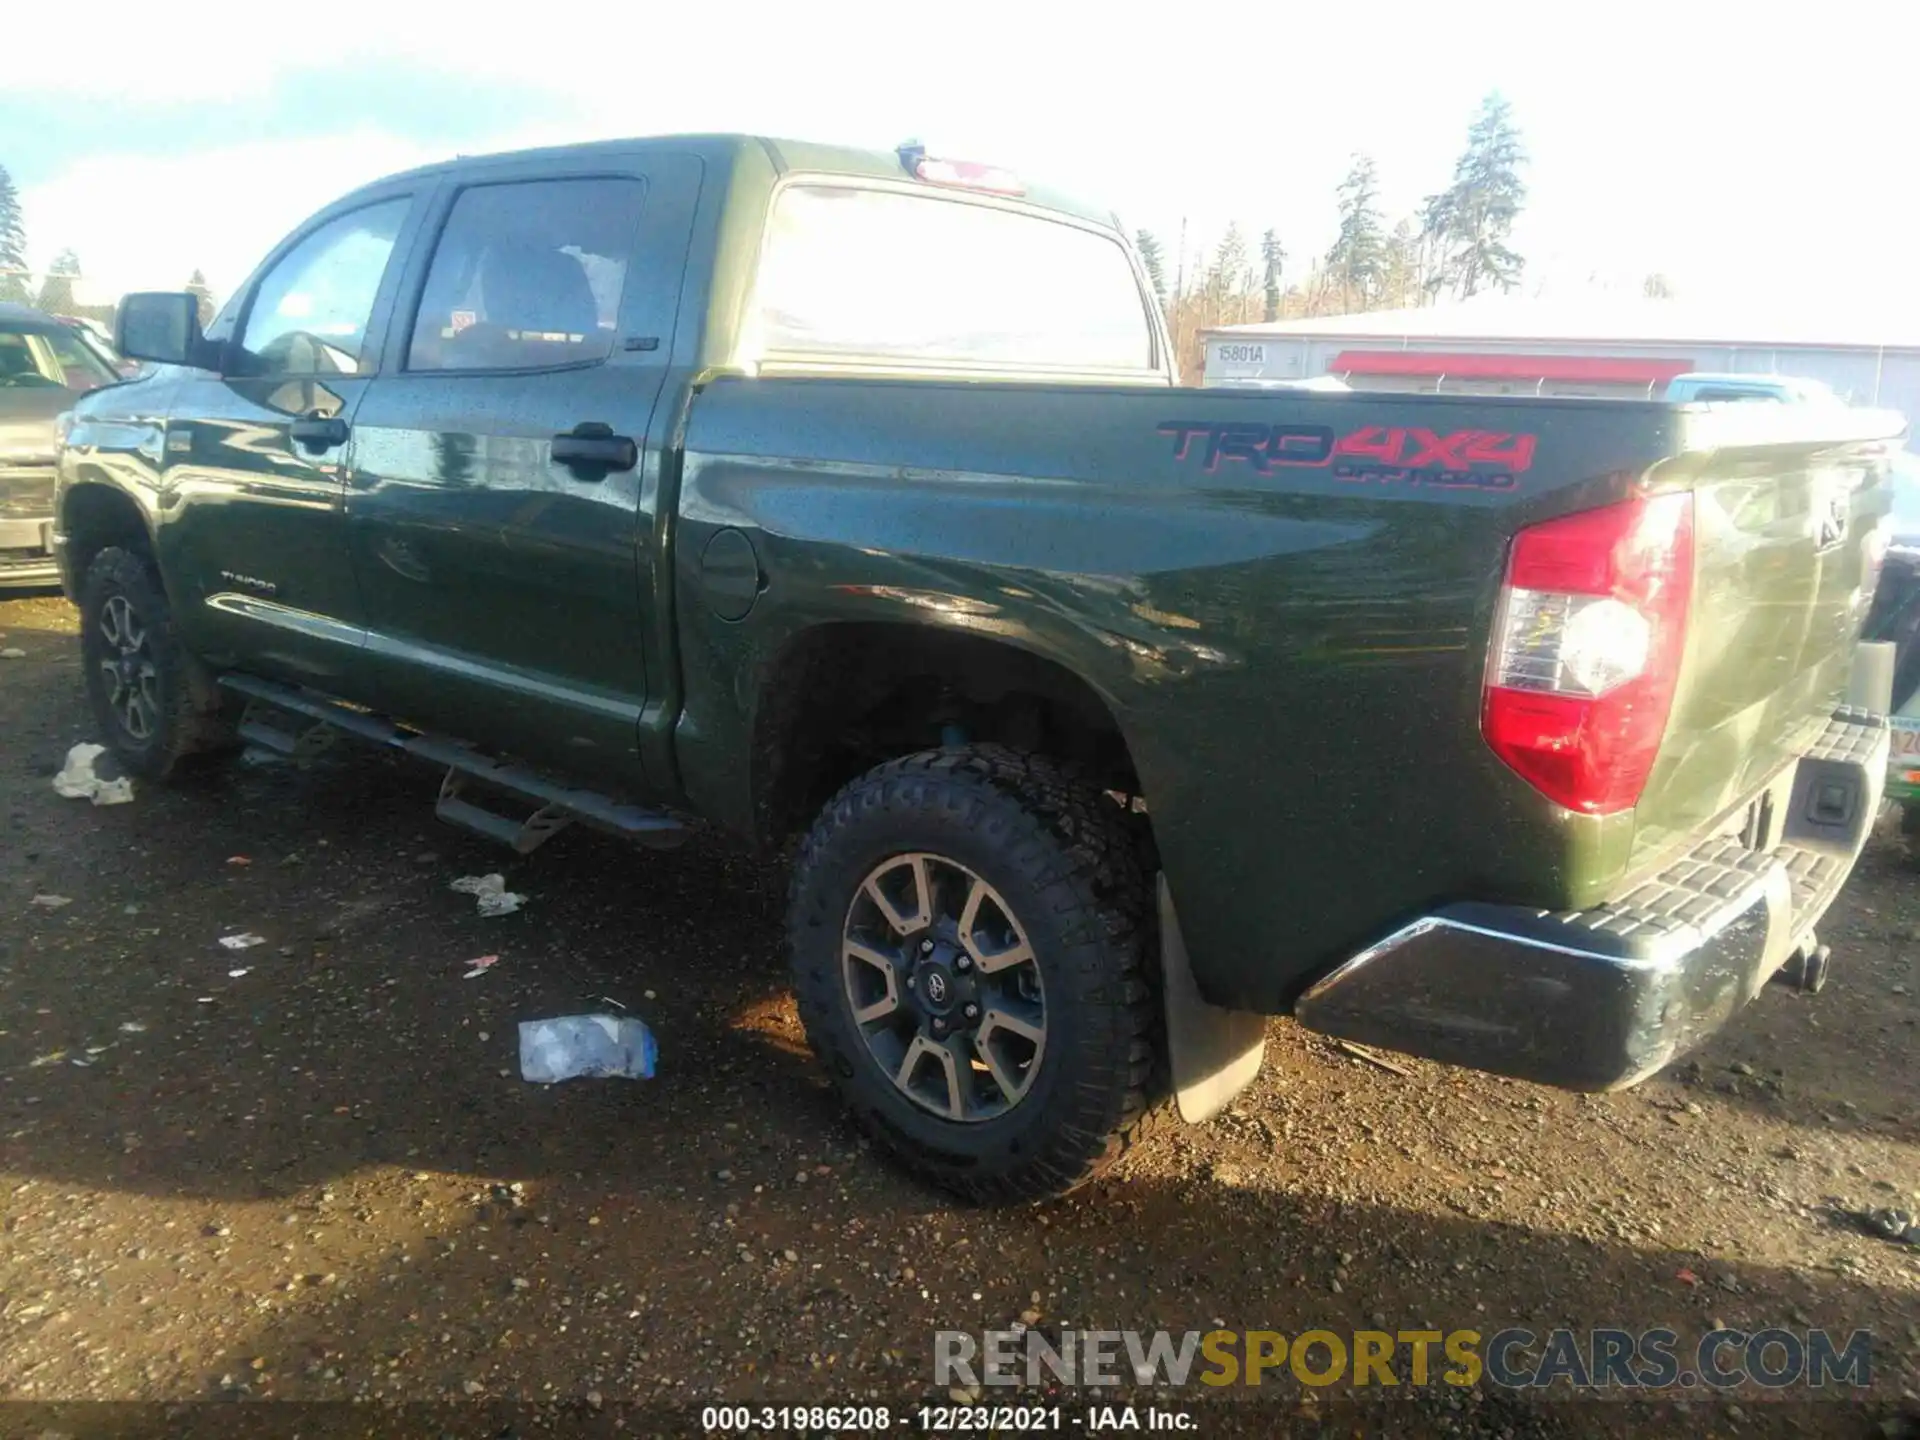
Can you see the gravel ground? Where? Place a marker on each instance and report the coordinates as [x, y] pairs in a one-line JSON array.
[[309, 1170]]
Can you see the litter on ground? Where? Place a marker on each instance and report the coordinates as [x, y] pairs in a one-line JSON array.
[[1891, 1224], [50, 902], [594, 1046], [236, 974], [490, 894], [77, 780], [1371, 1057], [245, 941], [479, 967]]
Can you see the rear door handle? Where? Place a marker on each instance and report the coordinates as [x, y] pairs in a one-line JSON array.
[[319, 432], [592, 450]]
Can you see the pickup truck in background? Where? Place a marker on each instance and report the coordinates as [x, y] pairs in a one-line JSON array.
[[849, 501], [1710, 388]]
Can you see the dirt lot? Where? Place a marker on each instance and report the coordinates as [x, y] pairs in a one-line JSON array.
[[309, 1170]]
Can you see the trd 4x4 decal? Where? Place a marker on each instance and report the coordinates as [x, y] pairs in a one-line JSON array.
[[1409, 455]]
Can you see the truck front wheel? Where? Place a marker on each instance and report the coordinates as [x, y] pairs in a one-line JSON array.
[[153, 702], [971, 937]]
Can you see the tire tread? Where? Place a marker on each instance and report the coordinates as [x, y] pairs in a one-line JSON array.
[[1071, 841], [191, 721]]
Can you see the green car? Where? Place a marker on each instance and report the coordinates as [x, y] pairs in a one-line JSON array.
[[850, 501]]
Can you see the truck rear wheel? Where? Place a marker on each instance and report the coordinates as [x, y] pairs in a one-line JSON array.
[[153, 704], [971, 938]]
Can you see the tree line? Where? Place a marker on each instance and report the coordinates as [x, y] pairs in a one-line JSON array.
[[54, 294], [1456, 245]]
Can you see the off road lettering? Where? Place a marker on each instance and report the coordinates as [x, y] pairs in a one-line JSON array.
[[1460, 458]]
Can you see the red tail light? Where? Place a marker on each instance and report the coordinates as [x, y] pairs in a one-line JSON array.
[[1586, 650]]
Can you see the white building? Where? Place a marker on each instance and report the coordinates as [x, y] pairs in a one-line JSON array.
[[1613, 347]]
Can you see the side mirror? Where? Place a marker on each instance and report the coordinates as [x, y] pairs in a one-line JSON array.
[[161, 326]]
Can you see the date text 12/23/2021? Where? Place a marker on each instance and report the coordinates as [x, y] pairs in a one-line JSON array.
[[943, 1419]]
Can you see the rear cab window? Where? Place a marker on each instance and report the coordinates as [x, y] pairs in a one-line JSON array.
[[528, 275], [867, 275]]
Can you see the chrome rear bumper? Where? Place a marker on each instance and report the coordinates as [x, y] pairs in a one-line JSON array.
[[1600, 999]]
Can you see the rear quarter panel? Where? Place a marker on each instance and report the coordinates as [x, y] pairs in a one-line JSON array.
[[1294, 658]]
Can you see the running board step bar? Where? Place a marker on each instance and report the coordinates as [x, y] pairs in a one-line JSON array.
[[555, 805], [522, 836], [260, 725]]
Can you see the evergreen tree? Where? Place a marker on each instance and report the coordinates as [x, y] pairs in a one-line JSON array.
[[1148, 244], [13, 242], [1357, 261], [1469, 222], [453, 456], [1272, 259]]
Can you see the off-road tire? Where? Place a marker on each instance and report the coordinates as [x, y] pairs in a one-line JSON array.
[[1060, 853], [187, 714]]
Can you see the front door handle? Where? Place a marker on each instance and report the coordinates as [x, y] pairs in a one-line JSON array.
[[592, 450], [319, 432]]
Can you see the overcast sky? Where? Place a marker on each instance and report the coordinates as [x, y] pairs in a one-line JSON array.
[[1739, 149]]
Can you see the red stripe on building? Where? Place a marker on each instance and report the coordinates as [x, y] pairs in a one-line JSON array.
[[1590, 369]]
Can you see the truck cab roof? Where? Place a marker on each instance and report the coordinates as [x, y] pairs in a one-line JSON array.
[[786, 156]]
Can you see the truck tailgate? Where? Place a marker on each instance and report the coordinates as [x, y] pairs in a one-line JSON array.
[[1789, 505]]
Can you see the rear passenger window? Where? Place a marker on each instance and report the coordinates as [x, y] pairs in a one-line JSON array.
[[527, 275]]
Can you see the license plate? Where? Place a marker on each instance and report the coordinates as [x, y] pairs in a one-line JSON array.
[[1242, 354]]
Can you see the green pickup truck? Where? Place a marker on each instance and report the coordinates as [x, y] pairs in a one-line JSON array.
[[850, 502]]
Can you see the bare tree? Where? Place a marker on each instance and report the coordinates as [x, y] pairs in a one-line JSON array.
[[56, 290], [203, 296], [1402, 274]]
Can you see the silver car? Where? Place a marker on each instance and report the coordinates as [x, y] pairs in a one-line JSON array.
[[45, 365]]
